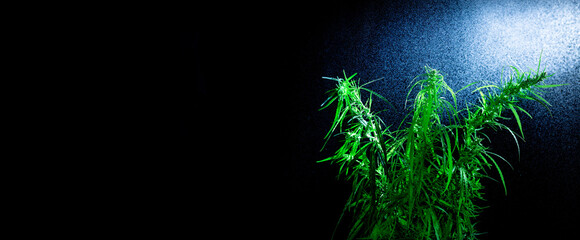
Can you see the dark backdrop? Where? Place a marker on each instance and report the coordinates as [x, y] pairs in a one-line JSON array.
[[269, 63]]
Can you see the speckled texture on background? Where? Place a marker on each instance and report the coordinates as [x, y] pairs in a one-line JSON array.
[[468, 41]]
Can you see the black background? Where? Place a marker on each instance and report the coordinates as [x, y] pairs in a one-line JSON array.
[[249, 89]]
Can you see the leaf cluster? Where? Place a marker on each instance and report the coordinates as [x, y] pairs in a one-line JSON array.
[[421, 181]]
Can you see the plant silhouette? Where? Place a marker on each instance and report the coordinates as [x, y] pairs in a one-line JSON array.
[[420, 182]]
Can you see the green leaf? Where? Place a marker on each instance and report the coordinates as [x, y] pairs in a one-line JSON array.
[[540, 61], [515, 139], [550, 85], [334, 79], [371, 82], [435, 224], [468, 85], [524, 111], [541, 99], [517, 74], [486, 86], [449, 167], [482, 99], [327, 159], [349, 78], [499, 156], [328, 102], [499, 171], [511, 107], [378, 95]]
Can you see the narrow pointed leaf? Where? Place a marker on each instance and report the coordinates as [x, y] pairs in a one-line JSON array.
[[511, 107], [550, 85]]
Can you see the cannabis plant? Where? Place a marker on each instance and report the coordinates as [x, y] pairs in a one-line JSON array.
[[421, 182]]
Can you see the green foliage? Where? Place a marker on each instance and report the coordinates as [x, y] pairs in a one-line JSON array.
[[421, 182]]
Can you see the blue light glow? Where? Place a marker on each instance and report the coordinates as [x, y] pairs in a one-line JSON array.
[[510, 33]]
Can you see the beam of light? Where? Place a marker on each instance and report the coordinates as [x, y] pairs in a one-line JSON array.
[[514, 34]]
